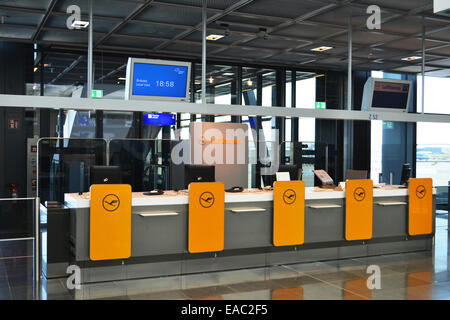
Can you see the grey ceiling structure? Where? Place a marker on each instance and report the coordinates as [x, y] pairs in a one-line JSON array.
[[258, 32]]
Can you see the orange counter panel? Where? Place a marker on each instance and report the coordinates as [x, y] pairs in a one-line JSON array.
[[359, 210], [420, 220], [110, 222], [289, 213], [206, 217]]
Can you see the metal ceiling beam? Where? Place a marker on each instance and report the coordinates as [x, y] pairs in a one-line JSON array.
[[215, 17], [70, 67], [120, 25], [47, 15], [304, 17]]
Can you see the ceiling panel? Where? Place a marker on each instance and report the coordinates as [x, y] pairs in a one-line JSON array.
[[281, 8], [111, 8], [171, 15], [155, 31]]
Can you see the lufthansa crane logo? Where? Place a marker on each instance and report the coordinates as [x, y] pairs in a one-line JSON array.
[[289, 196], [359, 194], [421, 192], [206, 200], [111, 202]]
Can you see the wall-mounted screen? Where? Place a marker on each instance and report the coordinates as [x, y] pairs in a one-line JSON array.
[[159, 119], [386, 95], [149, 79]]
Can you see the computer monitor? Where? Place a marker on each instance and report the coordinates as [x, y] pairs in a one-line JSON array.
[[105, 175], [294, 173], [356, 175], [406, 174], [150, 79], [292, 169], [198, 173], [386, 95]]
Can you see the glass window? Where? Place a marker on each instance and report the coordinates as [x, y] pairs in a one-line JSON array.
[[433, 144]]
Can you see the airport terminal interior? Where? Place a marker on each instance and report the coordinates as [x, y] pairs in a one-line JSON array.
[[224, 150]]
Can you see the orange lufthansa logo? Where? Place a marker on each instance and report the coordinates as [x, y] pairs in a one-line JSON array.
[[215, 140]]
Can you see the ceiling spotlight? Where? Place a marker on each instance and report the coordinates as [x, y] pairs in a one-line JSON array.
[[411, 58], [264, 33], [78, 24], [211, 79], [322, 48], [214, 37]]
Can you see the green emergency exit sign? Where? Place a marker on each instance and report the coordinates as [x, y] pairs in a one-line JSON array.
[[97, 94], [321, 105]]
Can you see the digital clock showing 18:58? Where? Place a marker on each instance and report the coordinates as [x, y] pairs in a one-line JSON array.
[[166, 84]]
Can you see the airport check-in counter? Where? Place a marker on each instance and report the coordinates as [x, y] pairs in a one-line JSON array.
[[160, 233]]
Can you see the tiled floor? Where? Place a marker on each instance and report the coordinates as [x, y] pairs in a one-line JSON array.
[[403, 276]]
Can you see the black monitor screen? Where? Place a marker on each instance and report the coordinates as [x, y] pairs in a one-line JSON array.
[[406, 174], [197, 173], [105, 175], [390, 95]]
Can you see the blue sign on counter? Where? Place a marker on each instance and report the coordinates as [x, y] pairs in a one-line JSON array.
[[159, 119]]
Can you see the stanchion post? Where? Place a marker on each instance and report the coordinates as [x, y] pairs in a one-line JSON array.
[[37, 249]]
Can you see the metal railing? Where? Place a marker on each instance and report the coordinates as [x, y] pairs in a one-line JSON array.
[[37, 267]]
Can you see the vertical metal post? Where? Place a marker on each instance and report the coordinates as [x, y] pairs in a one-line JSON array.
[[423, 65], [37, 249], [204, 17], [350, 62], [90, 51]]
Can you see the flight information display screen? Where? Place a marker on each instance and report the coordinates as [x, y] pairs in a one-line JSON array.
[[160, 119], [390, 95], [157, 80]]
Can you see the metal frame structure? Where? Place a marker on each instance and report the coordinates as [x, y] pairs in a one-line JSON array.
[[211, 109]]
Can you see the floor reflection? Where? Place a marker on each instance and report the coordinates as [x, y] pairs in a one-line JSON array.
[[412, 276]]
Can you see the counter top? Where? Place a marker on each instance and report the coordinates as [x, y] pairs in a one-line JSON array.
[[74, 200]]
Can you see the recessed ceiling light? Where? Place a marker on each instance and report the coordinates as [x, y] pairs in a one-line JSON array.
[[214, 37], [123, 79], [80, 24], [411, 58], [228, 74], [323, 48], [211, 80]]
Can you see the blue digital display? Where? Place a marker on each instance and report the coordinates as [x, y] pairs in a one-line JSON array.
[[159, 119], [159, 80]]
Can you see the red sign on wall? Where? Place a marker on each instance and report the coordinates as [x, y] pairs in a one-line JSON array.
[[13, 124]]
